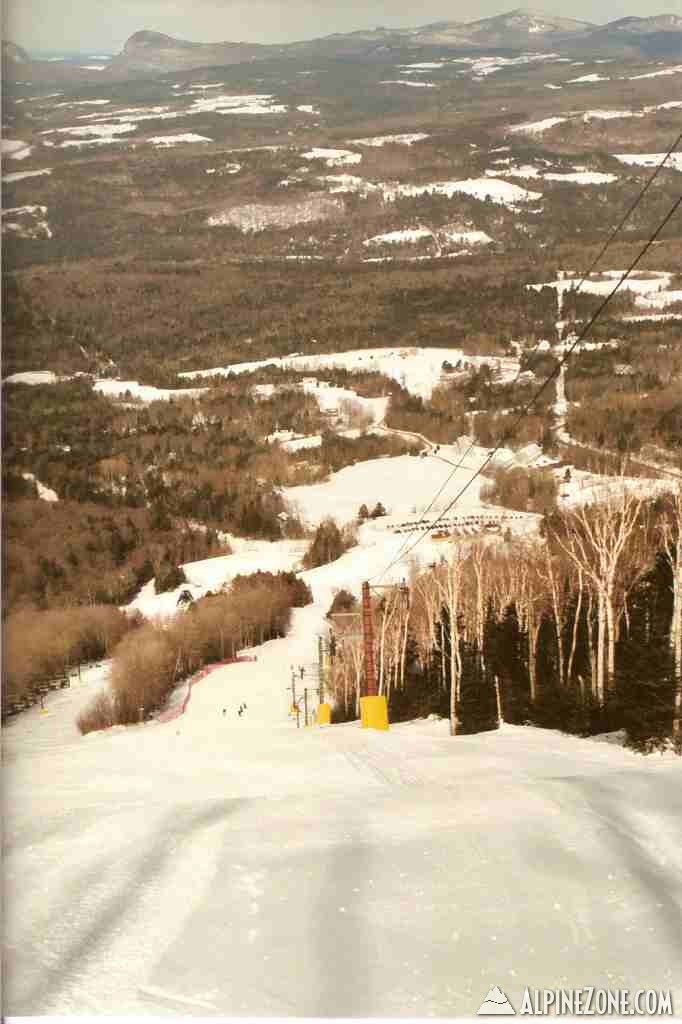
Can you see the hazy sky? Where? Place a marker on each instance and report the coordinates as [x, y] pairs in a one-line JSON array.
[[106, 24]]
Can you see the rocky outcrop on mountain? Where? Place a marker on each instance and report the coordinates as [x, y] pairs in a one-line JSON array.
[[153, 51]]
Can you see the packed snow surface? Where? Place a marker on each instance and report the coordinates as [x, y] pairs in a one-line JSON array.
[[191, 867]]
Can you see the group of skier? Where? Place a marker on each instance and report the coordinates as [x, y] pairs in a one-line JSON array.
[[240, 710]]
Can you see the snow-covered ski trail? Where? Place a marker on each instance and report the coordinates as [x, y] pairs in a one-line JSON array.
[[237, 866]]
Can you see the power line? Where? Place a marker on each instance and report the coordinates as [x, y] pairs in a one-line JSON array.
[[618, 228], [631, 209], [548, 380]]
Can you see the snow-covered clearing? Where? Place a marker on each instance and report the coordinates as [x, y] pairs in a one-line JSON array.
[[339, 183], [649, 290], [45, 493], [481, 67], [406, 81], [587, 488], [467, 237], [232, 168], [27, 221], [82, 103], [213, 573], [673, 162], [173, 140], [260, 103], [588, 79], [418, 369], [410, 235], [578, 175], [381, 480], [404, 139], [609, 115], [333, 157], [583, 177], [503, 192], [32, 377], [294, 443], [131, 389], [676, 70], [261, 216], [192, 867], [423, 66], [20, 175], [537, 127], [14, 149]]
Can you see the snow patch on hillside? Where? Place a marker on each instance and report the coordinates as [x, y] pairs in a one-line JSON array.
[[537, 127], [404, 139], [14, 149], [333, 157], [27, 222], [173, 140], [20, 175], [44, 493], [674, 161], [143, 392], [260, 216], [503, 192]]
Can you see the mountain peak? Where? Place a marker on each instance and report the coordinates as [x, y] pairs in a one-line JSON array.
[[155, 40]]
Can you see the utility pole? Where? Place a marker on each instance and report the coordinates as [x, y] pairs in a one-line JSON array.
[[305, 704], [368, 638]]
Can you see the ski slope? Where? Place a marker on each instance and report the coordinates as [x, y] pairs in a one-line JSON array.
[[218, 865]]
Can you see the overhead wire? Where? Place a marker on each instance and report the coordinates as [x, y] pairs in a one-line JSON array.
[[401, 554], [616, 230]]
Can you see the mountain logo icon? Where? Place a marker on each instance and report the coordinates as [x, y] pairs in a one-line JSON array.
[[496, 1002]]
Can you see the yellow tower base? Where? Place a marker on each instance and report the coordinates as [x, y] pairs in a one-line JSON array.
[[324, 714], [373, 713]]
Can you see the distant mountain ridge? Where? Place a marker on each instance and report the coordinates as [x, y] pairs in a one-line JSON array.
[[147, 51]]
